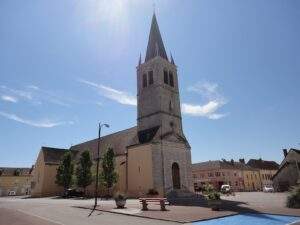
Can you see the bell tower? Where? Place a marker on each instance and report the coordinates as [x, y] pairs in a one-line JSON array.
[[160, 143], [157, 85]]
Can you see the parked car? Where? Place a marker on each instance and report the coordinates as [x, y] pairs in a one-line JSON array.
[[268, 189], [225, 188], [73, 193], [11, 193]]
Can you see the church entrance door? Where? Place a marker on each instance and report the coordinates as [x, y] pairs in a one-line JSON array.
[[176, 176]]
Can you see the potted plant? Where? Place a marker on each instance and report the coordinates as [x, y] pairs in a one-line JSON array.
[[213, 197], [120, 200]]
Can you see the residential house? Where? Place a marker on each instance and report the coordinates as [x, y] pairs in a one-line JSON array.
[[288, 173]]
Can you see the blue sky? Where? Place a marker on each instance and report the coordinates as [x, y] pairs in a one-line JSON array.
[[65, 65]]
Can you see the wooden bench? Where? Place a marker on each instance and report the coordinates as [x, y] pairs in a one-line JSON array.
[[146, 201]]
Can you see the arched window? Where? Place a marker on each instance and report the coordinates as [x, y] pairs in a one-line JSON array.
[[150, 77], [144, 80], [166, 79], [171, 80], [176, 176]]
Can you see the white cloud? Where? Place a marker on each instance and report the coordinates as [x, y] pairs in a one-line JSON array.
[[212, 99], [113, 94], [33, 87], [20, 93], [9, 98], [35, 95], [45, 123]]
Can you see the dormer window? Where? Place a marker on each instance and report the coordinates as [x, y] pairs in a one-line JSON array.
[[166, 79], [144, 80], [150, 77], [171, 79]]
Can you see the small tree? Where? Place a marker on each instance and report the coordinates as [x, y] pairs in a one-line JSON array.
[[108, 175], [17, 172], [83, 171], [64, 175]]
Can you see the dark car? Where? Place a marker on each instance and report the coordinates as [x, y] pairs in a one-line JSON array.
[[69, 193]]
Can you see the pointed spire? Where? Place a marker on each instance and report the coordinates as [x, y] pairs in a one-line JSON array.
[[140, 59], [155, 43], [172, 60]]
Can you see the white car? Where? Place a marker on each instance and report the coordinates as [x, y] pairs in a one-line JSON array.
[[225, 188], [11, 193], [268, 189]]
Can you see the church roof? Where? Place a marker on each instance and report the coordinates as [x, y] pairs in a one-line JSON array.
[[147, 135], [117, 141], [53, 155], [155, 45]]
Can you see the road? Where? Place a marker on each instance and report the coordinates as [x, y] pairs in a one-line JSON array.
[[47, 211]]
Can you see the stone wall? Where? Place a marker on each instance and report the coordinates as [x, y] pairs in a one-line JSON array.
[[19, 184], [176, 152]]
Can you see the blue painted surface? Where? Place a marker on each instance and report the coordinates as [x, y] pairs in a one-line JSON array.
[[251, 219]]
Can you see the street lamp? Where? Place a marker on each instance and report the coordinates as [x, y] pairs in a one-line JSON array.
[[98, 161]]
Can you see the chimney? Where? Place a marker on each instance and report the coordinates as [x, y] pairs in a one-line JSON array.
[[232, 161], [242, 161], [285, 152]]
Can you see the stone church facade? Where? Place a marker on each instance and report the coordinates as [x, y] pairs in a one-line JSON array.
[[152, 155]]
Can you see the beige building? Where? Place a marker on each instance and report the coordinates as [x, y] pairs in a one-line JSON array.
[[237, 174], [15, 179], [155, 153], [217, 173], [44, 172], [252, 181], [267, 169]]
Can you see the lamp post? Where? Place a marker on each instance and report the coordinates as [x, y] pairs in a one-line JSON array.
[[98, 161]]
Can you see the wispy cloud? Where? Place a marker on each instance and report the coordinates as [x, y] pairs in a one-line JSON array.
[[211, 98], [111, 93], [20, 93], [9, 98], [36, 95], [44, 123]]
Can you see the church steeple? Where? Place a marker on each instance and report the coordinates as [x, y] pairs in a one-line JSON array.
[[155, 45]]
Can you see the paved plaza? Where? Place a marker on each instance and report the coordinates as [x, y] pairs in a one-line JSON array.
[[53, 211]]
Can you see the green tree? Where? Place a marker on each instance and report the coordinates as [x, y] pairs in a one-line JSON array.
[[17, 172], [108, 175], [83, 171], [65, 171]]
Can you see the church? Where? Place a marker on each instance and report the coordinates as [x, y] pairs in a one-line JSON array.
[[155, 154]]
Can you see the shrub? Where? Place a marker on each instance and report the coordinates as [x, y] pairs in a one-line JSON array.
[[293, 199], [211, 193], [207, 188], [214, 195]]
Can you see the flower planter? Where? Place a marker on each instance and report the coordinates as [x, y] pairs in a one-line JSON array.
[[214, 204], [120, 203]]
